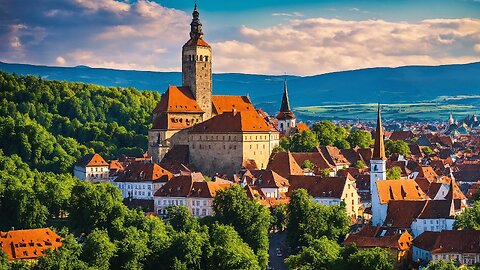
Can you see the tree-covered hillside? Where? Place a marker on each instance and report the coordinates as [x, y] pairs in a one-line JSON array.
[[50, 124]]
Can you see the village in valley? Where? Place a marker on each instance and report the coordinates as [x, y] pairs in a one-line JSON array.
[[411, 189]]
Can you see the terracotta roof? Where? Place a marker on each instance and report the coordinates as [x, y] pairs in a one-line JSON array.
[[177, 160], [401, 214], [140, 171], [221, 104], [115, 165], [285, 116], [450, 241], [399, 190], [366, 154], [399, 241], [401, 135], [428, 173], [178, 99], [416, 150], [242, 121], [249, 164], [320, 187], [284, 164], [302, 127], [91, 160], [316, 157], [191, 185], [28, 244], [333, 155], [269, 179], [379, 147], [196, 42]]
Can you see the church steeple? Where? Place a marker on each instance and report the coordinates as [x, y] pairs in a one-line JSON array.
[[196, 25], [379, 146], [285, 102]]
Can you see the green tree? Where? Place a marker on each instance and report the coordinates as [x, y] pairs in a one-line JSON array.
[[360, 138], [307, 164], [469, 219], [394, 173], [285, 143], [321, 254], [4, 263], [328, 134], [181, 219], [66, 257], [442, 265], [132, 249], [305, 141], [427, 151], [360, 164], [308, 220], [98, 250], [397, 147], [228, 251], [372, 259], [250, 219], [280, 216]]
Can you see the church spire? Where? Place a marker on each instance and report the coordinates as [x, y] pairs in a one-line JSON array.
[[379, 147], [196, 25], [285, 102]]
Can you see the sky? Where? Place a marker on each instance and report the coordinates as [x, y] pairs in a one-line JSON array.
[[299, 37]]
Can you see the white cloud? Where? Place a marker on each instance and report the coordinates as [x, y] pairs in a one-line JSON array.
[[319, 45], [293, 14], [109, 5]]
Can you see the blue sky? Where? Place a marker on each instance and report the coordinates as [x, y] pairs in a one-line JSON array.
[[302, 37]]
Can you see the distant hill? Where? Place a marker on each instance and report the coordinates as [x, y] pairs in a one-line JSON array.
[[394, 85]]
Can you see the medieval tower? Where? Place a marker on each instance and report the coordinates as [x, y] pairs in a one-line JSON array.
[[378, 171], [197, 66]]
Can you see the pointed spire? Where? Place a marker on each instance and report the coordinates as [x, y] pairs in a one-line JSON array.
[[196, 25], [379, 146], [285, 102], [451, 194]]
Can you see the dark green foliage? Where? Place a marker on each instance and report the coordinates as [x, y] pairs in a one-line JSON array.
[[280, 216], [307, 164], [372, 259], [427, 151], [98, 250], [360, 138], [309, 220], [329, 134], [322, 254], [50, 124], [250, 219], [469, 219], [394, 173], [442, 265], [397, 147], [305, 141]]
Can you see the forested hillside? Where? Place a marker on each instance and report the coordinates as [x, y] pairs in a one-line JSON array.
[[50, 124]]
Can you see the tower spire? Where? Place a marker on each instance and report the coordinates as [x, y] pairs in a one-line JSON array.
[[196, 25], [285, 102], [379, 146]]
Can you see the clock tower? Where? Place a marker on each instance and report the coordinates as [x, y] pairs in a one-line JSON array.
[[378, 171]]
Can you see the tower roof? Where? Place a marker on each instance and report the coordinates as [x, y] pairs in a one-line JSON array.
[[285, 111], [196, 25], [379, 146]]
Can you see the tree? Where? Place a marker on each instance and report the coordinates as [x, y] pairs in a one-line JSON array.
[[442, 265], [285, 143], [360, 138], [249, 218], [308, 220], [427, 151], [4, 263], [320, 254], [371, 259], [394, 173], [187, 249], [305, 141], [228, 251], [181, 219], [325, 172], [307, 164], [66, 257], [132, 249], [360, 164], [469, 219], [397, 147], [327, 133], [98, 250], [280, 214]]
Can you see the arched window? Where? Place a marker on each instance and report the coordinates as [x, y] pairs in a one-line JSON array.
[[201, 57], [206, 58]]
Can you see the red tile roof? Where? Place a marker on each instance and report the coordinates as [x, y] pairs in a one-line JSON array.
[[320, 187], [284, 164], [372, 238], [401, 214], [28, 244], [140, 171], [302, 127], [242, 121], [196, 42], [178, 99], [450, 241], [399, 190], [191, 185], [269, 179], [221, 104], [401, 135], [91, 160]]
